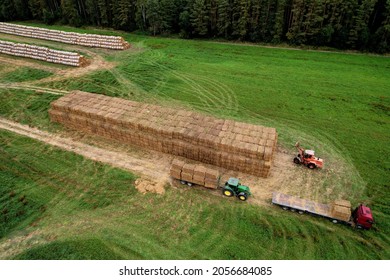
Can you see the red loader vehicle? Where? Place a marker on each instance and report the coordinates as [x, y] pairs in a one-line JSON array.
[[307, 158]]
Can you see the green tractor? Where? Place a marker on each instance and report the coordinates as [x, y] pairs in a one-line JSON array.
[[233, 187]]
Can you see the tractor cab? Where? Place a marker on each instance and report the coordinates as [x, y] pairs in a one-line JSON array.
[[234, 187], [308, 154], [362, 216]]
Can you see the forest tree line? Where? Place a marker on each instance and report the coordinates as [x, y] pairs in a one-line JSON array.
[[344, 24]]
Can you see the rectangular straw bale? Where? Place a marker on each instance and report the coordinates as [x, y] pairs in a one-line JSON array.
[[200, 171], [188, 168], [175, 174], [269, 143], [341, 212], [212, 184], [211, 174], [268, 153], [199, 180], [344, 203], [186, 176]]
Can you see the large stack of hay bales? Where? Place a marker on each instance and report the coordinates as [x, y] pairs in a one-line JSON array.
[[42, 53], [89, 40], [232, 145]]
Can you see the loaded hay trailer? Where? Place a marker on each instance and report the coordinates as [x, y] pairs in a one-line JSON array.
[[339, 211], [197, 174]]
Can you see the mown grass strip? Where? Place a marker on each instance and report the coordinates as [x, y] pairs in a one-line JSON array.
[[24, 74]]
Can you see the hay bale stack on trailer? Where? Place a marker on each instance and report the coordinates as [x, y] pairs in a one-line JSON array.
[[207, 177], [197, 174]]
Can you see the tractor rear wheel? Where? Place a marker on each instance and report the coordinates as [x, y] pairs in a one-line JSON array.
[[242, 196], [296, 160], [311, 166], [227, 192]]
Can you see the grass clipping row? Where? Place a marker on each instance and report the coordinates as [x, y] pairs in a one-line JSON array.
[[226, 143]]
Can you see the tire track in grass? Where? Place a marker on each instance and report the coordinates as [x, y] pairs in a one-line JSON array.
[[281, 237], [154, 230], [34, 88], [51, 177], [269, 229], [209, 99], [212, 100], [195, 87], [230, 96], [197, 221], [228, 100], [140, 92]]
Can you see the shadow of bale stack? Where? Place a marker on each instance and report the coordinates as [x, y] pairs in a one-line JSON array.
[[82, 39], [232, 145]]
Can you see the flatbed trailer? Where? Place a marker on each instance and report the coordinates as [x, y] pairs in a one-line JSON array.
[[338, 212], [289, 202], [300, 205]]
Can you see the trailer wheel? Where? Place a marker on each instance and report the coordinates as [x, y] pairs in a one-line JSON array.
[[300, 212], [189, 184], [359, 226], [183, 182], [334, 221], [285, 208]]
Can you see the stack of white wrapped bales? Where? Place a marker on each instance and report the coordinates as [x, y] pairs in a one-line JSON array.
[[88, 40], [42, 53]]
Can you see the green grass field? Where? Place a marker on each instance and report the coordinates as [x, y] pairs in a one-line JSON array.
[[24, 74], [81, 209], [337, 103]]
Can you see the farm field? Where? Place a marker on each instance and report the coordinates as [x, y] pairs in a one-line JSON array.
[[59, 205]]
